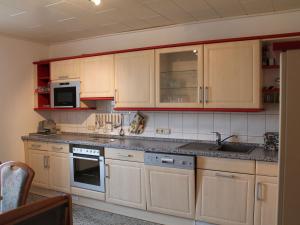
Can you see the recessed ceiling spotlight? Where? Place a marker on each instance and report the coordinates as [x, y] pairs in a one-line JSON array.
[[96, 2]]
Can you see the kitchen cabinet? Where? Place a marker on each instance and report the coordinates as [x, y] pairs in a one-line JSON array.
[[38, 161], [134, 79], [225, 198], [65, 69], [50, 163], [59, 172], [97, 77], [179, 77], [170, 191], [232, 75], [266, 200], [125, 183]]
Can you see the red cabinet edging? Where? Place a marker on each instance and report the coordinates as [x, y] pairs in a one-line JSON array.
[[97, 99], [190, 109]]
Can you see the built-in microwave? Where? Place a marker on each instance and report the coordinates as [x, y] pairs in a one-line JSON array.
[[65, 94]]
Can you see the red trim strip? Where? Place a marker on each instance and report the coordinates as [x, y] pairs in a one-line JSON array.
[[61, 109], [284, 46], [97, 99], [190, 109], [270, 36]]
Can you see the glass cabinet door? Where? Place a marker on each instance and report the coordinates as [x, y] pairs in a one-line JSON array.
[[179, 77]]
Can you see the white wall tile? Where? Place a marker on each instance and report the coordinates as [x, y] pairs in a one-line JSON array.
[[190, 123], [256, 125], [205, 123], [150, 122], [222, 123], [272, 123], [161, 120], [190, 136], [206, 137], [239, 123], [175, 122], [255, 140]]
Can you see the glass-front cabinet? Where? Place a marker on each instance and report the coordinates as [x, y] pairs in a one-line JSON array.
[[179, 77]]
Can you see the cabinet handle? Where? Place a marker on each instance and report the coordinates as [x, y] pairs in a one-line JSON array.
[[259, 191], [127, 156], [35, 146], [48, 162], [107, 174], [45, 162], [116, 91], [206, 94], [57, 148], [225, 175], [200, 95], [63, 77]]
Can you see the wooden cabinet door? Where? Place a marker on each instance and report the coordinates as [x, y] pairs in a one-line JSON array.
[[179, 77], [39, 162], [232, 75], [97, 76], [266, 200], [134, 77], [225, 198], [59, 172], [170, 191], [125, 183], [65, 70]]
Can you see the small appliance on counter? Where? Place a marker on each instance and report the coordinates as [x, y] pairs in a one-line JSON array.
[[271, 140], [47, 127]]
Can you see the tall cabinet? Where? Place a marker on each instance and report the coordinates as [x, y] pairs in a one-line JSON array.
[[179, 77], [134, 79]]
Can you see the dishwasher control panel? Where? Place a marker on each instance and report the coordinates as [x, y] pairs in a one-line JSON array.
[[169, 160]]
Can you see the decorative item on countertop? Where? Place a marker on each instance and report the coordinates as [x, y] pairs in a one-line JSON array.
[[137, 125], [271, 140]]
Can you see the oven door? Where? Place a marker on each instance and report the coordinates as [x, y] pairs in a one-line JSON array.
[[87, 172], [65, 95]]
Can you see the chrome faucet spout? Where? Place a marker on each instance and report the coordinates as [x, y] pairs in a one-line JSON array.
[[219, 140]]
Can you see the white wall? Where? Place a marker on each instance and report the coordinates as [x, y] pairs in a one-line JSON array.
[[17, 117], [247, 26]]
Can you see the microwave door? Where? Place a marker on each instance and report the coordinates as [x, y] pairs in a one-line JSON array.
[[65, 97]]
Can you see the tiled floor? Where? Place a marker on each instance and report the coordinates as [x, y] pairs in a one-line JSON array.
[[87, 216]]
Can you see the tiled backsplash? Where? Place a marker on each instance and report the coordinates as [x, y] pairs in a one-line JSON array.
[[249, 127]]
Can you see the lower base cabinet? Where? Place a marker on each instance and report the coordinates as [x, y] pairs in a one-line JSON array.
[[266, 200], [125, 183], [51, 169], [170, 191], [225, 198]]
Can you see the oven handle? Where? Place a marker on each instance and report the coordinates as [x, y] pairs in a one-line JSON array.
[[89, 159]]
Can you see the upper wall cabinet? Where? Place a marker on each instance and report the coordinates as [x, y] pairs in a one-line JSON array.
[[179, 77], [134, 79], [65, 70], [232, 75], [97, 77]]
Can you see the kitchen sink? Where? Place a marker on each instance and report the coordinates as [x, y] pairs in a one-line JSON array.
[[238, 148]]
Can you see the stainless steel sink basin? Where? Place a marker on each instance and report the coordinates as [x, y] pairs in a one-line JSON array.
[[239, 148]]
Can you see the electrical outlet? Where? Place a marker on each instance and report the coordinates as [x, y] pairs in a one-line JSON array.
[[164, 131]]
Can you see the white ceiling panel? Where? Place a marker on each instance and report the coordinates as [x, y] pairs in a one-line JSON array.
[[51, 21], [257, 6]]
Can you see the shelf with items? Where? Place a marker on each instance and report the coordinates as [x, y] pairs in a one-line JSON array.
[[42, 90], [62, 109]]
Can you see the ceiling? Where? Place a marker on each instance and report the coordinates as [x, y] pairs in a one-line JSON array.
[[51, 21]]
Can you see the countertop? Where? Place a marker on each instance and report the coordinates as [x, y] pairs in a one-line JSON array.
[[160, 145]]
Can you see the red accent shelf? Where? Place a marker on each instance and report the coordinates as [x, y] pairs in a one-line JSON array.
[[271, 67], [276, 90], [62, 109], [190, 109], [97, 99]]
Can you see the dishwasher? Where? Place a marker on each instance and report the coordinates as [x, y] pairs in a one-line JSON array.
[[170, 184]]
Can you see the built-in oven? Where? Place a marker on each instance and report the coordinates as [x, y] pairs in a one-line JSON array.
[[87, 167], [65, 94]]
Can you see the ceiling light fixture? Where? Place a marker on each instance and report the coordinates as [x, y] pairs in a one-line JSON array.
[[96, 2]]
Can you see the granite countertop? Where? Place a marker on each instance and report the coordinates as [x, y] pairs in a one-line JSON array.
[[161, 145]]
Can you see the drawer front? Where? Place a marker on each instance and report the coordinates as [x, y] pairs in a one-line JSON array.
[[63, 148], [37, 145], [267, 169], [228, 165], [126, 155]]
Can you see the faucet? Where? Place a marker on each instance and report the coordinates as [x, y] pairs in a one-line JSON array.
[[219, 140]]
